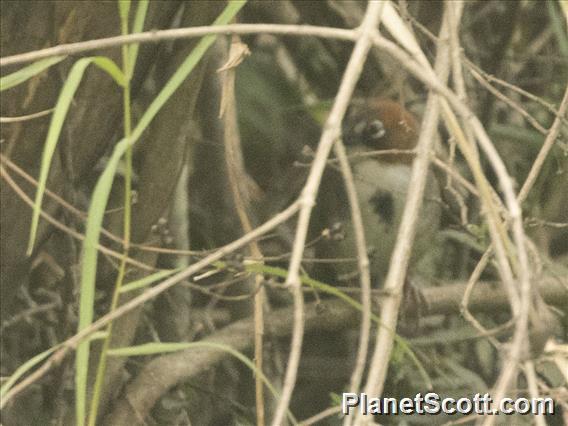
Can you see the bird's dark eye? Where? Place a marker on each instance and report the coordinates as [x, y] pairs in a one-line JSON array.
[[375, 130], [364, 131]]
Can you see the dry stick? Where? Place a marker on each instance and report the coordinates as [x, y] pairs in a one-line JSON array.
[[400, 257], [514, 105], [149, 294], [238, 181], [83, 216], [454, 12], [389, 47], [491, 78], [331, 133], [171, 369], [545, 150], [504, 180], [6, 176], [27, 117], [178, 33], [448, 169], [328, 412], [69, 207], [401, 253], [464, 305], [510, 368], [515, 353], [527, 186], [496, 228], [363, 265], [530, 375], [20, 172], [362, 257], [432, 81]]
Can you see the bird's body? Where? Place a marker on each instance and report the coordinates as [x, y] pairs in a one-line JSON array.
[[381, 182]]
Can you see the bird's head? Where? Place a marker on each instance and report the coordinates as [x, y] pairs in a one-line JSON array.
[[381, 125]]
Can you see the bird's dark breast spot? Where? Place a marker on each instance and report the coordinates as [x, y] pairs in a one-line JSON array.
[[383, 204]]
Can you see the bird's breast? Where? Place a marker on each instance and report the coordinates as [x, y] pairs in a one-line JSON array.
[[382, 189]]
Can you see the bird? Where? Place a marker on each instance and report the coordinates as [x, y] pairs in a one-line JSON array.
[[379, 135]]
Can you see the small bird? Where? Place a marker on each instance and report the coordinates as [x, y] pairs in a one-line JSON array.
[[378, 135]]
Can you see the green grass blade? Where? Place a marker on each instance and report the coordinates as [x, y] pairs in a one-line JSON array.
[[558, 27], [110, 67], [146, 281], [100, 199], [23, 369], [57, 120], [124, 9], [32, 362], [326, 288], [88, 273], [138, 26], [185, 68], [28, 72]]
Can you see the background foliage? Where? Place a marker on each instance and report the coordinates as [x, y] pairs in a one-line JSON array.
[[182, 201]]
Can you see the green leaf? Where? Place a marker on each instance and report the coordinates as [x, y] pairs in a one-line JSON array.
[[108, 65], [28, 72], [137, 28], [146, 281], [32, 362], [100, 198], [23, 369], [57, 120], [185, 68], [123, 9], [558, 27], [88, 273], [326, 288]]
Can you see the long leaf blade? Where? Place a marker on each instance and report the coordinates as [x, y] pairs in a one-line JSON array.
[[137, 27], [100, 199], [58, 118], [88, 273], [23, 75], [186, 67]]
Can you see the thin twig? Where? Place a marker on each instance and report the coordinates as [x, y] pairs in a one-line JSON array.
[[545, 150], [27, 117], [6, 176], [83, 216], [532, 384], [331, 133], [363, 265], [179, 33], [238, 180], [508, 101], [401, 252], [521, 306], [150, 294]]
